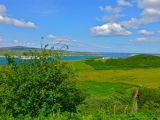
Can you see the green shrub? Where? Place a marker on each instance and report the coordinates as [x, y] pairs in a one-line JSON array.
[[112, 105], [40, 85], [149, 98]]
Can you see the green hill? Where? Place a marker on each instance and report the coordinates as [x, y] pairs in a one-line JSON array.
[[137, 61]]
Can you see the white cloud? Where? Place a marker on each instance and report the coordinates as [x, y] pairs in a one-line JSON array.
[[133, 23], [146, 32], [136, 22], [12, 21], [16, 22], [124, 3], [150, 14], [150, 10], [110, 9], [149, 3], [109, 29], [147, 39]]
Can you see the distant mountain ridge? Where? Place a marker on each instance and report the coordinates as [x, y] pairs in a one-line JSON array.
[[18, 48]]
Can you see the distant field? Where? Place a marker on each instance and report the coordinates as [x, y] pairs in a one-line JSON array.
[[148, 77], [140, 77], [102, 85], [103, 81]]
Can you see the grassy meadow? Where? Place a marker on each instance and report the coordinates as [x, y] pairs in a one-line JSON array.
[[102, 81], [146, 77]]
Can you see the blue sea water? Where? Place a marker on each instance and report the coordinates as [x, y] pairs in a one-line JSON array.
[[102, 55]]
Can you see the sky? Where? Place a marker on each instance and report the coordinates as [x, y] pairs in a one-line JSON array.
[[130, 26]]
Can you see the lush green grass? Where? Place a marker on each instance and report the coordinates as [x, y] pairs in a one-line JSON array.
[[105, 89], [138, 61], [145, 70], [103, 82], [80, 66], [140, 77], [100, 115]]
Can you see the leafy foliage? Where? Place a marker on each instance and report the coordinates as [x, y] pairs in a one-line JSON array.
[[39, 85], [149, 98]]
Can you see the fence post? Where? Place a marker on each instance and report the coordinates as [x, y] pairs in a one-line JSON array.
[[135, 104]]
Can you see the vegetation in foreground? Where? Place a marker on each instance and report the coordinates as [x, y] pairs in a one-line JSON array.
[[105, 100], [41, 85]]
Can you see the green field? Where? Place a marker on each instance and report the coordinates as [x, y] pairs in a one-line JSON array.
[[140, 77], [102, 81], [147, 77]]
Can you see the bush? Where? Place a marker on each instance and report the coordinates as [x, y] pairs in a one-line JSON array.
[[112, 105], [149, 98], [40, 85]]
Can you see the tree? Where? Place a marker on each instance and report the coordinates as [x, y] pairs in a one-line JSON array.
[[43, 84]]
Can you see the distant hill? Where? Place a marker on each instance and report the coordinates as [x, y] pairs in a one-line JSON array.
[[136, 61], [17, 48]]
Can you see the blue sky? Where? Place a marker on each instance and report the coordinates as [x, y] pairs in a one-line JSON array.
[[84, 25]]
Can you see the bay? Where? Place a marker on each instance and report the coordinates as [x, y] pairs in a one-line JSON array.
[[3, 60]]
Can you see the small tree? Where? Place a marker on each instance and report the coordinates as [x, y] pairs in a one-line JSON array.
[[43, 84]]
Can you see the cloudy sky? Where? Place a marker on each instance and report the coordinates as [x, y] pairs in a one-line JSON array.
[[84, 25]]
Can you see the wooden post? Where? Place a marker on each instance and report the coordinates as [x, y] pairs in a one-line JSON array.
[[135, 104]]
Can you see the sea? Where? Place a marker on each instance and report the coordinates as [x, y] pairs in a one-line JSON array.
[[3, 60]]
